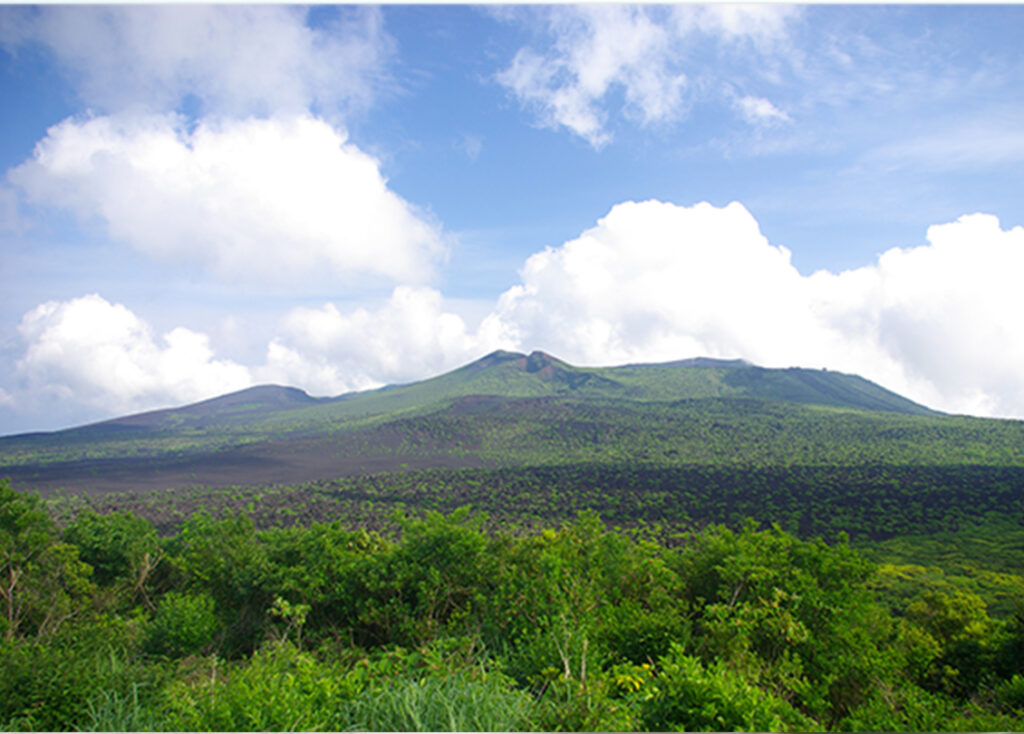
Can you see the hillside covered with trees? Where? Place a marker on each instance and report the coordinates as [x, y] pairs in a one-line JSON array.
[[520, 544]]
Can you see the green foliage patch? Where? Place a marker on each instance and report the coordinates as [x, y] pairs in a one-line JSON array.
[[449, 622]]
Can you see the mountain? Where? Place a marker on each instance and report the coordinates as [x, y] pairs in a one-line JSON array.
[[514, 375], [497, 410], [529, 438], [508, 375], [235, 408]]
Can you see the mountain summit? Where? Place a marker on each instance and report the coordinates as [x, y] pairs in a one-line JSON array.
[[513, 374]]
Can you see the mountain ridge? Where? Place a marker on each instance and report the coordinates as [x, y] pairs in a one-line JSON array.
[[505, 408], [511, 374]]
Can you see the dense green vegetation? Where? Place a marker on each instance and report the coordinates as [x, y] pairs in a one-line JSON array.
[[435, 556], [681, 464], [447, 622], [867, 502]]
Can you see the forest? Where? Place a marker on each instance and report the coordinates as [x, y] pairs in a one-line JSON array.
[[455, 621]]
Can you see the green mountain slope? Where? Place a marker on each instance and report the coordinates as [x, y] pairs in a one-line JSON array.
[[813, 469], [514, 375], [269, 411], [510, 409], [236, 408], [530, 438]]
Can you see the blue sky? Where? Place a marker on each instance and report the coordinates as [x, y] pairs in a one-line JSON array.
[[201, 198]]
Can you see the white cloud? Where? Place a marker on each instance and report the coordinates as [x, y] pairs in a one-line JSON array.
[[761, 23], [657, 281], [758, 110], [236, 59], [87, 358], [92, 353], [641, 51], [219, 139], [948, 313], [278, 199], [654, 281], [598, 47], [410, 336], [89, 351]]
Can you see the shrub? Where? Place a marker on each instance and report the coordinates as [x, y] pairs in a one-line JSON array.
[[279, 688], [49, 685], [184, 623], [694, 698]]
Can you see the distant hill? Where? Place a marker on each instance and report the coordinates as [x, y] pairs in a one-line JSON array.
[[514, 375], [497, 410], [234, 408], [510, 375]]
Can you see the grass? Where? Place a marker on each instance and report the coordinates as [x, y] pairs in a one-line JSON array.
[[113, 710], [450, 703]]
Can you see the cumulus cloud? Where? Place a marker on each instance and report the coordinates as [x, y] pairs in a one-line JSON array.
[[215, 137], [89, 351], [273, 198], [638, 51], [233, 59], [654, 281], [410, 336], [946, 313], [657, 281]]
